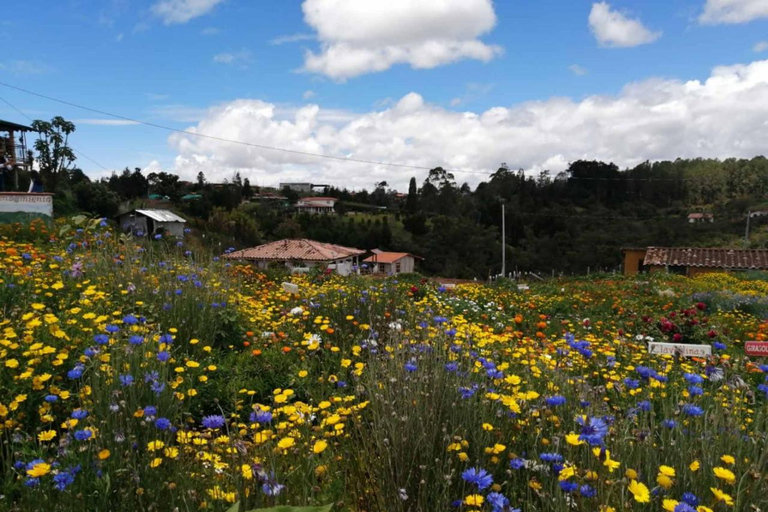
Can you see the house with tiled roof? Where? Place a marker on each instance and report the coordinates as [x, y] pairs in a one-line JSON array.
[[691, 261], [301, 255], [391, 263], [322, 205]]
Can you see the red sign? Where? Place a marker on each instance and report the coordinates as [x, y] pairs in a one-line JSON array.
[[756, 348]]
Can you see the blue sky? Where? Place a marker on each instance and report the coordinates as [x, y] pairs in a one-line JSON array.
[[194, 63]]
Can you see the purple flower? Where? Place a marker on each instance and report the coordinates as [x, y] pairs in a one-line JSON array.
[[214, 421]]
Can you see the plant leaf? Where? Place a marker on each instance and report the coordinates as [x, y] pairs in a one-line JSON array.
[[325, 508]]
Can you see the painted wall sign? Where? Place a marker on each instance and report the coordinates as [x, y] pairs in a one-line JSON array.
[[20, 206], [682, 349], [756, 348]]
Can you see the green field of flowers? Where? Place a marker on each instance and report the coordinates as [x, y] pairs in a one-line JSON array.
[[148, 376]]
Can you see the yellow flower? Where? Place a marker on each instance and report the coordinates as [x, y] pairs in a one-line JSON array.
[[474, 500], [725, 474], [487, 427], [303, 373], [286, 443], [12, 363], [104, 454], [573, 440], [566, 473], [47, 435], [155, 445], [631, 474], [39, 469], [721, 496], [702, 508], [639, 491], [156, 462], [666, 470], [669, 505], [664, 481], [498, 448], [319, 446], [695, 465], [171, 452], [247, 471], [728, 459], [37, 306]]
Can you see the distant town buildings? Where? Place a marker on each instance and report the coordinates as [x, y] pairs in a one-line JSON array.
[[316, 205], [303, 188], [700, 217]]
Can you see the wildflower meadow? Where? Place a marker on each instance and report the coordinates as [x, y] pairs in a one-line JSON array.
[[153, 375]]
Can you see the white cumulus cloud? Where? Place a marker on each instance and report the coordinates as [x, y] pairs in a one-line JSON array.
[[181, 11], [614, 29], [358, 37], [760, 47], [733, 11], [657, 119]]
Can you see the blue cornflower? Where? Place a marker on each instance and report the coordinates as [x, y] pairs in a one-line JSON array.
[[410, 367], [79, 414], [261, 417], [83, 435], [593, 431], [112, 328], [692, 410], [517, 463], [466, 392], [130, 320], [554, 401], [101, 339], [157, 387], [63, 480], [684, 507], [478, 477], [718, 346], [670, 423], [644, 405], [763, 368], [693, 378], [695, 390], [166, 338], [126, 380], [76, 372], [587, 491], [568, 487], [690, 498], [163, 423], [551, 457], [163, 356], [136, 340], [497, 501], [150, 410], [631, 383], [51, 398], [214, 421], [90, 352], [452, 367], [32, 482], [150, 376], [645, 372]]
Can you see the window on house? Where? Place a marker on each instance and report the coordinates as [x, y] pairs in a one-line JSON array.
[[397, 268]]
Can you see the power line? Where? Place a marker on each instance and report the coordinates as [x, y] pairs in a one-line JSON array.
[[73, 148], [306, 153]]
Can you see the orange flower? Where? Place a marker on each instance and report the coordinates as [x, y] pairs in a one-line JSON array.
[[256, 352]]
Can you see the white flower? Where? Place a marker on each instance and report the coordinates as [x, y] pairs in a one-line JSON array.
[[297, 311]]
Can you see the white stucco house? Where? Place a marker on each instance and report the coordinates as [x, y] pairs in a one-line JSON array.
[[302, 254], [321, 205]]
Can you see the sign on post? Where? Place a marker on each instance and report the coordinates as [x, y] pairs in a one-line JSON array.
[[756, 348], [22, 207], [680, 349], [291, 288]]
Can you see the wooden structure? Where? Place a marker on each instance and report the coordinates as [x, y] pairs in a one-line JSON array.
[[151, 222], [691, 261], [13, 145]]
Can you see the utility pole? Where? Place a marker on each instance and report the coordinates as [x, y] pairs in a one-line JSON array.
[[746, 234], [503, 241]]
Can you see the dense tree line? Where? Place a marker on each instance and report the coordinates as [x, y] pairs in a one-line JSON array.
[[575, 220]]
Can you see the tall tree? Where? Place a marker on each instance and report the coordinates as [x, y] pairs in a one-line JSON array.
[[412, 202], [54, 155]]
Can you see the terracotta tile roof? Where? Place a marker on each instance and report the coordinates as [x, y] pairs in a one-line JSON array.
[[700, 257], [318, 199], [295, 249], [388, 257]]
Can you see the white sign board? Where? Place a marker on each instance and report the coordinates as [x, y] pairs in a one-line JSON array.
[[291, 288], [682, 349], [21, 203]]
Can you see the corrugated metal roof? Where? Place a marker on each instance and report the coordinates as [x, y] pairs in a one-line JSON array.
[[161, 215], [295, 249], [715, 257], [388, 257]]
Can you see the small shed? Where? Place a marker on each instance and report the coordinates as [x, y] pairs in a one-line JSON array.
[[152, 222], [391, 263]]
